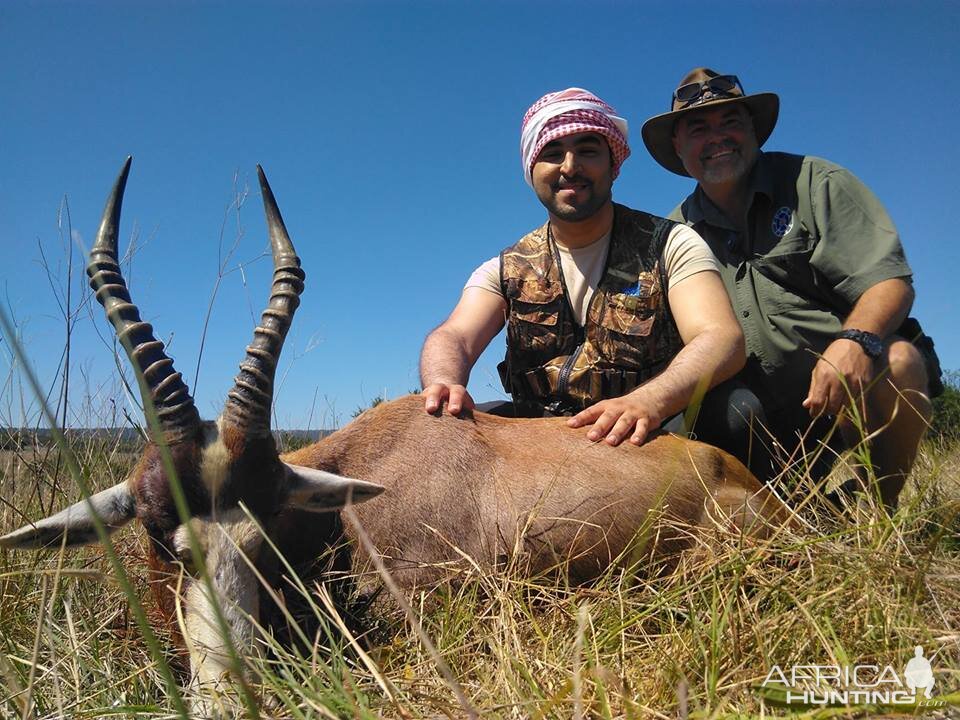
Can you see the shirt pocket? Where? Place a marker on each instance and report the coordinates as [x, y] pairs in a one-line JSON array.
[[785, 279]]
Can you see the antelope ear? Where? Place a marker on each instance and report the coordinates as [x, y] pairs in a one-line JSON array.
[[115, 507], [320, 491]]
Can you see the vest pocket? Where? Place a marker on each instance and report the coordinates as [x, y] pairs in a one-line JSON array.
[[533, 331], [628, 314], [626, 331], [547, 314]]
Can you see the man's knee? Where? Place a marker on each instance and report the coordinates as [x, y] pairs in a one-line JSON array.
[[732, 417], [744, 410], [729, 413], [905, 366], [901, 388]]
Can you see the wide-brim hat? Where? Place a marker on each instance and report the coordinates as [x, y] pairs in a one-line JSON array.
[[658, 131]]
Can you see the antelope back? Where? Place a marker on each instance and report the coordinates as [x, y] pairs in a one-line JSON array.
[[536, 494]]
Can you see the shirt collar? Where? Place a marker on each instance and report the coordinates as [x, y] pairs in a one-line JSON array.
[[701, 208]]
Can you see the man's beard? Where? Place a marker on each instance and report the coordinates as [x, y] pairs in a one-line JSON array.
[[726, 172], [575, 213], [735, 169]]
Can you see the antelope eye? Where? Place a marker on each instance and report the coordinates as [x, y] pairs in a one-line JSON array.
[[185, 556], [182, 551]]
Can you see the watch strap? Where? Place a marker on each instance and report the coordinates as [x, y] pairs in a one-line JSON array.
[[870, 342]]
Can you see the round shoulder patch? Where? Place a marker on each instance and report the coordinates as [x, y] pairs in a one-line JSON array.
[[782, 222]]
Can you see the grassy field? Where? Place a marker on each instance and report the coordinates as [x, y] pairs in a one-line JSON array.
[[847, 590], [860, 589]]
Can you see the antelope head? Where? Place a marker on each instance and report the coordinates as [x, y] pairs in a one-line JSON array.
[[236, 487]]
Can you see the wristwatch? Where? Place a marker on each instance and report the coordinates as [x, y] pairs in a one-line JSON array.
[[872, 344]]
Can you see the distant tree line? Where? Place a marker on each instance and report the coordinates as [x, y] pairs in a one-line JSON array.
[[20, 438], [944, 426], [946, 409], [126, 439]]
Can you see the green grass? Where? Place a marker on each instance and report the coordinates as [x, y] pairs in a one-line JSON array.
[[696, 643]]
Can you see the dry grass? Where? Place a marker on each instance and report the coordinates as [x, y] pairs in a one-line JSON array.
[[697, 643]]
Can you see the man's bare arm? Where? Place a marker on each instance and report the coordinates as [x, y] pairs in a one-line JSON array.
[[450, 351], [844, 365], [713, 350]]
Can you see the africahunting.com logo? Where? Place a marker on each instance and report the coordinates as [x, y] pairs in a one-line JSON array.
[[862, 684]]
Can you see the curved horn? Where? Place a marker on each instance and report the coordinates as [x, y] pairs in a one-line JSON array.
[[248, 403], [175, 408]]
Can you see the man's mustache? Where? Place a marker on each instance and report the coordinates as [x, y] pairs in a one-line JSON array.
[[719, 147], [564, 182]]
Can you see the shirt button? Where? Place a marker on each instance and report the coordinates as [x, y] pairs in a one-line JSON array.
[[745, 313]]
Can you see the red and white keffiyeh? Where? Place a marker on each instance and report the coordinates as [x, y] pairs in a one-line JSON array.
[[568, 112]]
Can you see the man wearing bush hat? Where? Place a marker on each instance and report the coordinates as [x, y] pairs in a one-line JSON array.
[[814, 268], [613, 315]]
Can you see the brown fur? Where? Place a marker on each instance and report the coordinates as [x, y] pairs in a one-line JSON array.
[[253, 472], [500, 490]]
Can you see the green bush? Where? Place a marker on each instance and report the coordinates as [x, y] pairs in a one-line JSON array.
[[946, 409]]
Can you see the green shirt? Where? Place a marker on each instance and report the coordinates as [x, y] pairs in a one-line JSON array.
[[816, 239]]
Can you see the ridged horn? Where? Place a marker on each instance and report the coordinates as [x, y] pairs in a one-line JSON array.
[[175, 408], [248, 403]]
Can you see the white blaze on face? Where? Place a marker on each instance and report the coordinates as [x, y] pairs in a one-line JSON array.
[[214, 460], [231, 543]]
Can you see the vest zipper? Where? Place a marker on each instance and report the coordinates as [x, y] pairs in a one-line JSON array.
[[563, 379]]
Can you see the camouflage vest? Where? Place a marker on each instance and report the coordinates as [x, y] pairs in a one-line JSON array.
[[629, 337]]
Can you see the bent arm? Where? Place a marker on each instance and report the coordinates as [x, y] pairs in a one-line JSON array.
[[714, 347], [882, 308], [844, 367], [450, 351], [713, 351]]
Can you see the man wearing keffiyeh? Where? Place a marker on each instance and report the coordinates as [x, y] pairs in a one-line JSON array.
[[614, 316]]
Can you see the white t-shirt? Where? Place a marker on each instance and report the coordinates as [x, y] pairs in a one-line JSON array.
[[684, 254]]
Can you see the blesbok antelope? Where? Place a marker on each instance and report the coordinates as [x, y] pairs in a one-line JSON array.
[[477, 486]]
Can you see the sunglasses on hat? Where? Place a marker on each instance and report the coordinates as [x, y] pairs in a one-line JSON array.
[[691, 93]]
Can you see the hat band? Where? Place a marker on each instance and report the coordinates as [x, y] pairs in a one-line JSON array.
[[696, 93]]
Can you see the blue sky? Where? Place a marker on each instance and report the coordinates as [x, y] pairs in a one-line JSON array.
[[390, 132]]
